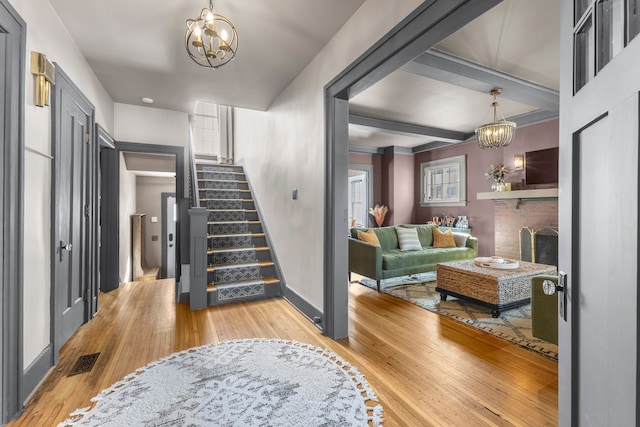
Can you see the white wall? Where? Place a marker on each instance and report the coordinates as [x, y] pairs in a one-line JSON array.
[[46, 34], [145, 125], [283, 148], [127, 208]]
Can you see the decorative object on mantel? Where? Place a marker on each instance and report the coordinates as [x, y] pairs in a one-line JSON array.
[[379, 212], [211, 39], [497, 174], [495, 134]]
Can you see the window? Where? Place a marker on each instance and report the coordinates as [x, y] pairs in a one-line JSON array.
[[599, 35], [443, 182]]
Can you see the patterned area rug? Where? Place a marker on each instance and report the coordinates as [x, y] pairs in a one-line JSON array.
[[513, 325], [252, 382]]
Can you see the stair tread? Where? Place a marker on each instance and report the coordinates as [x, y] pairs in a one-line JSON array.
[[213, 268], [268, 281], [233, 222], [224, 189], [256, 248], [210, 236], [222, 180]]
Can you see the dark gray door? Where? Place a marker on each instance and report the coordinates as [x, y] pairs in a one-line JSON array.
[[13, 32], [72, 178]]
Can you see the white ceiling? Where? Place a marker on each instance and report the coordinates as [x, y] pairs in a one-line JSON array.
[[136, 48]]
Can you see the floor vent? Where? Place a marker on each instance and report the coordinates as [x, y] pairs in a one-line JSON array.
[[84, 364]]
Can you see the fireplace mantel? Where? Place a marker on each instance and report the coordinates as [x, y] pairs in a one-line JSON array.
[[543, 193], [520, 195]]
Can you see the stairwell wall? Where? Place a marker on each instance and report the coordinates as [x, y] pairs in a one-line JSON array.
[[283, 149], [46, 34]]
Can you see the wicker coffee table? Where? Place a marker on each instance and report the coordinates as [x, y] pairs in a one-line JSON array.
[[490, 287]]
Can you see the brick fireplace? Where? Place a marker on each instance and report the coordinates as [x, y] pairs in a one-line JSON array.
[[512, 215]]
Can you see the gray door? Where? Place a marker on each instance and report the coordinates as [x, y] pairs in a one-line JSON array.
[[13, 32], [598, 240], [71, 251], [169, 221]]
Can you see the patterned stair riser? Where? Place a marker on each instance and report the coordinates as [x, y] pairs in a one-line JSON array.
[[219, 185], [244, 256], [229, 215], [213, 194], [227, 293], [229, 228], [214, 168], [224, 204], [222, 176], [224, 242], [233, 274]]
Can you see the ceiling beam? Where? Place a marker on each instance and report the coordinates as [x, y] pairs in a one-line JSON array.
[[393, 126], [451, 69]]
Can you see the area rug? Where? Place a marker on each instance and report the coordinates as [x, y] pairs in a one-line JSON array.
[[513, 325], [253, 382]]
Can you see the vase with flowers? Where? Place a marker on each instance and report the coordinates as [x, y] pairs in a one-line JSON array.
[[379, 212], [497, 173]]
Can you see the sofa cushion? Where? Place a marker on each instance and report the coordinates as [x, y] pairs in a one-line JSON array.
[[387, 237], [425, 233], [460, 239], [395, 259], [408, 239], [443, 239], [369, 236]]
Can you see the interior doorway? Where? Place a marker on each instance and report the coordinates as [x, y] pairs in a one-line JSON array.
[[427, 25], [144, 178], [122, 180]]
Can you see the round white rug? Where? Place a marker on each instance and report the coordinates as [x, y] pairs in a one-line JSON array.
[[253, 382]]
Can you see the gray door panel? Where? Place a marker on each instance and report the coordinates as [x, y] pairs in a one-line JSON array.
[[72, 252]]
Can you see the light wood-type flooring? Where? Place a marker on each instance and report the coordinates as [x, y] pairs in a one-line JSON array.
[[425, 369]]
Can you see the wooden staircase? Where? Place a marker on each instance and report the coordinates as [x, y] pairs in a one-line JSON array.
[[239, 263]]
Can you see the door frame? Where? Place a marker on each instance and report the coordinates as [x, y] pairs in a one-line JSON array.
[[112, 178], [109, 278], [89, 235], [12, 392], [427, 25], [163, 206]]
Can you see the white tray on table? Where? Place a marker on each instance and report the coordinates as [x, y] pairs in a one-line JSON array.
[[497, 263]]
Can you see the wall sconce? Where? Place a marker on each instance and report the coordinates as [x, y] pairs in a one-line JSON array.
[[45, 73], [518, 162]]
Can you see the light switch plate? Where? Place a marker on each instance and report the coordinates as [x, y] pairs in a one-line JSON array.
[[294, 193], [154, 219]]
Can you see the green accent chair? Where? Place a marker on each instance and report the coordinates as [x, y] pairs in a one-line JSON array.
[[544, 310]]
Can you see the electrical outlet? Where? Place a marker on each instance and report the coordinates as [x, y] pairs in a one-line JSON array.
[[154, 238]]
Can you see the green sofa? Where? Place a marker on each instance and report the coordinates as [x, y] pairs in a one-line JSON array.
[[387, 260]]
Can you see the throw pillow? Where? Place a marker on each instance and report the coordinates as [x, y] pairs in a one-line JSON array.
[[460, 239], [369, 236], [443, 239], [408, 239]]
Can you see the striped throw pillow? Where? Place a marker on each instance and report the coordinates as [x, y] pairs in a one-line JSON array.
[[408, 239]]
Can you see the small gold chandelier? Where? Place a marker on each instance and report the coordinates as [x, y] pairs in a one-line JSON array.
[[211, 39], [496, 134]]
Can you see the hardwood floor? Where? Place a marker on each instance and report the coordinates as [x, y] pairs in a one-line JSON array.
[[425, 369]]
